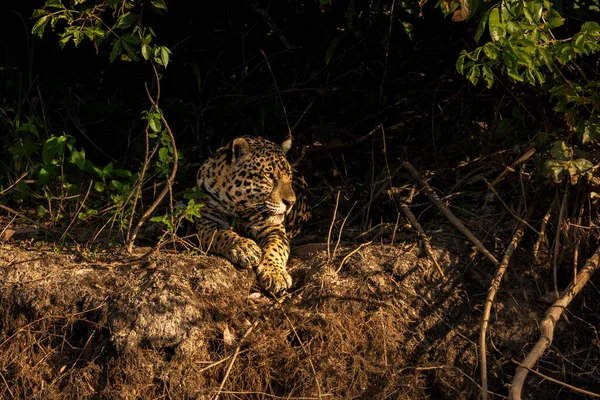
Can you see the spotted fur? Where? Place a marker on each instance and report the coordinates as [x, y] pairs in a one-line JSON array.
[[251, 209]]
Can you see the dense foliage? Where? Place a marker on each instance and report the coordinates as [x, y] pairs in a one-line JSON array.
[[248, 67]]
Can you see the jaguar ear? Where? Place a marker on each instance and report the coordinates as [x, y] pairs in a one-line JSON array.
[[286, 145], [239, 150]]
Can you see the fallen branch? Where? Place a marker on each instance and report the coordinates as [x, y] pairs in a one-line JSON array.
[[420, 232], [549, 322], [489, 301], [446, 211]]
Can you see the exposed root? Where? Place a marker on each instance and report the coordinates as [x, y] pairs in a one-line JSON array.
[[549, 322]]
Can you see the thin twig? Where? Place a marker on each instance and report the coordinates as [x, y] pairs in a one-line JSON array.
[[542, 235], [337, 200], [170, 179], [515, 215], [278, 92], [385, 185], [139, 183], [577, 241], [233, 358], [549, 322], [339, 239], [17, 181], [78, 210], [420, 231], [489, 301], [31, 221], [511, 168], [312, 366], [446, 211], [356, 250], [7, 386], [574, 388], [561, 216]]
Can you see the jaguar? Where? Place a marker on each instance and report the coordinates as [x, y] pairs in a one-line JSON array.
[[253, 206]]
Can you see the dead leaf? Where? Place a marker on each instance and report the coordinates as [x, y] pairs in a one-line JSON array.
[[6, 235]]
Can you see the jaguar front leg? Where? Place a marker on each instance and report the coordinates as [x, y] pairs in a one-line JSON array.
[[275, 246], [217, 237]]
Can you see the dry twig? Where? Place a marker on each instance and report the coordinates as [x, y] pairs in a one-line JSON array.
[[546, 377], [496, 280], [511, 168], [446, 211], [549, 322], [420, 232], [561, 217], [233, 358]]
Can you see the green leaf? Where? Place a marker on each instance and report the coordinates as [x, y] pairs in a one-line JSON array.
[[159, 4], [117, 185], [125, 21], [54, 3], [513, 73], [122, 173], [491, 50], [488, 75], [39, 12], [164, 54], [155, 124], [40, 25], [64, 39], [408, 29], [116, 51], [99, 186], [481, 26], [44, 176], [331, 50], [350, 14], [534, 10], [163, 154], [590, 27], [539, 76], [78, 158], [93, 32], [474, 75], [561, 152], [53, 147], [23, 148], [108, 169], [41, 211], [460, 62], [146, 52], [129, 44], [496, 27], [555, 20]]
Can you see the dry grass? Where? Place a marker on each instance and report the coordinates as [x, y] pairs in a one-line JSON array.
[[178, 327]]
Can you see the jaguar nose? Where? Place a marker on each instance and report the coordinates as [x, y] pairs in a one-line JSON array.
[[288, 202]]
